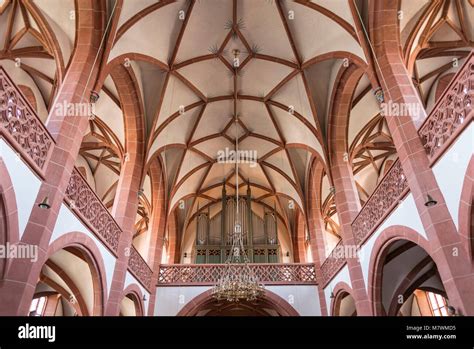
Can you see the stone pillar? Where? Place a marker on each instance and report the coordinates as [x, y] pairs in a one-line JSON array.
[[126, 198], [452, 260], [299, 239], [346, 196], [17, 288], [158, 228], [316, 229]]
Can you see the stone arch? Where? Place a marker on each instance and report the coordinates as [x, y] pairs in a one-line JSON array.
[[9, 230], [132, 109], [91, 254], [340, 291], [158, 219], [134, 293], [278, 303], [380, 251], [466, 210], [346, 196]]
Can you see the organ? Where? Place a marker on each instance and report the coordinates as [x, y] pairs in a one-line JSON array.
[[214, 234]]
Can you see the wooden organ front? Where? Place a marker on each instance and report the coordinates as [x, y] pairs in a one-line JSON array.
[[214, 234]]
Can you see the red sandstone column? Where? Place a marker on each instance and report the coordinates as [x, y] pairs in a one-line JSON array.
[[316, 228], [126, 198], [316, 249], [446, 246], [158, 218], [346, 196], [299, 239], [155, 266], [17, 288], [174, 243], [157, 226]]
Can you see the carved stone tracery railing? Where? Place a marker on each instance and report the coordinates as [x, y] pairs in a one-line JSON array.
[[90, 209], [380, 204], [21, 126], [451, 114], [23, 130], [209, 274], [85, 203], [140, 268], [383, 200], [332, 265]]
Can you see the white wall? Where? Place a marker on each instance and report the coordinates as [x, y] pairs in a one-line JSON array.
[[342, 276], [67, 222], [405, 214], [450, 170], [304, 298], [130, 280], [25, 184], [170, 300]]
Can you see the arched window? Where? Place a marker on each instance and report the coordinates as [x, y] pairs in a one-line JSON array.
[[38, 305], [438, 304]]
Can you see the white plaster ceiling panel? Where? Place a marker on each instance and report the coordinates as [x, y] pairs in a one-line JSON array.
[[280, 161], [176, 132], [258, 17], [58, 14], [283, 186], [411, 12], [190, 162], [45, 66], [78, 270], [216, 175], [445, 33], [293, 93], [214, 191], [361, 114], [212, 146], [111, 114], [212, 78], [132, 8], [255, 117], [295, 131], [206, 28], [427, 65], [50, 273], [257, 146], [215, 117], [330, 36], [259, 77], [28, 40], [177, 94], [468, 10], [254, 173], [18, 23], [191, 187], [104, 178], [338, 7], [235, 131], [234, 46], [136, 40]]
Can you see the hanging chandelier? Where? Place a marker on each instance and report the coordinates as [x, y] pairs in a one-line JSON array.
[[238, 282]]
